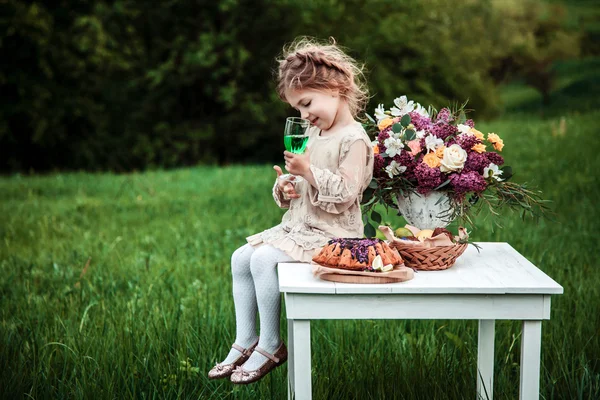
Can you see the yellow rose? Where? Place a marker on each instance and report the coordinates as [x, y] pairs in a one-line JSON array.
[[498, 145], [493, 138], [385, 123], [479, 147], [432, 160], [376, 149], [477, 134], [439, 152]]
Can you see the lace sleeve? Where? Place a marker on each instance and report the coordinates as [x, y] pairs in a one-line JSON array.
[[278, 197], [336, 192]]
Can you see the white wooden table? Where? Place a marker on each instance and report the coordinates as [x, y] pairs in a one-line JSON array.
[[497, 283]]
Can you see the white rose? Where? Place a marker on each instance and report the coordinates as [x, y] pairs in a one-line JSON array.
[[454, 158]]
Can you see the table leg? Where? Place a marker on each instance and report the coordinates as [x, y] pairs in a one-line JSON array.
[[290, 361], [302, 365], [531, 347], [485, 359]]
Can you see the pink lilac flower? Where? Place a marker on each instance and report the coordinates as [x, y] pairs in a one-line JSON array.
[[443, 130], [470, 123], [466, 141], [476, 162], [427, 178], [467, 182], [378, 166], [420, 122], [495, 158], [409, 162], [444, 115]]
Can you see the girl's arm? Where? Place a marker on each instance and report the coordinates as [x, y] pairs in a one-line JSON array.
[[336, 192], [278, 196], [278, 190]]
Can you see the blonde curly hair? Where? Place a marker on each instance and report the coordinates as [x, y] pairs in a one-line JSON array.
[[308, 64]]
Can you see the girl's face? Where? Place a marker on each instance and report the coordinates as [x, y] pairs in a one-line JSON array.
[[320, 107]]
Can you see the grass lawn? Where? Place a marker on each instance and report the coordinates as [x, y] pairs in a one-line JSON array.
[[118, 286]]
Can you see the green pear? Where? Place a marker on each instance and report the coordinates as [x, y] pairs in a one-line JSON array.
[[403, 232]]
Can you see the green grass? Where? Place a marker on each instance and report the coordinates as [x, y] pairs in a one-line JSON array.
[[157, 289]]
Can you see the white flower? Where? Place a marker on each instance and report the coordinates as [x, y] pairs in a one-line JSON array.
[[492, 171], [394, 146], [403, 106], [466, 129], [394, 169], [380, 113], [433, 142], [421, 134], [421, 110], [454, 158]]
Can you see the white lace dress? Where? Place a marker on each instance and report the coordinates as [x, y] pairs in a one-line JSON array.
[[342, 165]]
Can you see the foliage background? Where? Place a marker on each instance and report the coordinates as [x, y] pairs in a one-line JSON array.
[[122, 85], [118, 285]]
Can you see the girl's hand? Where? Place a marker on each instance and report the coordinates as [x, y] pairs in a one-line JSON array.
[[297, 164], [285, 186]]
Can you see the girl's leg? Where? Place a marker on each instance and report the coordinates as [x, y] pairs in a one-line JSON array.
[[244, 299], [263, 264]]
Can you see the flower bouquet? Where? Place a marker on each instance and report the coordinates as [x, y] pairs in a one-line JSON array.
[[425, 154]]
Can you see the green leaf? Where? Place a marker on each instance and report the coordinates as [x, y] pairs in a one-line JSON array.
[[375, 216], [367, 195], [371, 201], [507, 173], [370, 118], [405, 121], [462, 117], [370, 231], [373, 184], [365, 219], [397, 128], [442, 185], [409, 134]]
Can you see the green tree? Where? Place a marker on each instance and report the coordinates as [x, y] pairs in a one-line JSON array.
[[530, 37], [116, 84]]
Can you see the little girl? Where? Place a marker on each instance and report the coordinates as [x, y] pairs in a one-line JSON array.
[[325, 86]]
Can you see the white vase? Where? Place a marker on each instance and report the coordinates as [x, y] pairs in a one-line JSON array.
[[428, 211]]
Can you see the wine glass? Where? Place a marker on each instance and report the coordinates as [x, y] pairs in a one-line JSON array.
[[295, 138]]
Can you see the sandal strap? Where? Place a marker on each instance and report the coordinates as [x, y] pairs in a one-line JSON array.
[[239, 348], [246, 352], [268, 355]]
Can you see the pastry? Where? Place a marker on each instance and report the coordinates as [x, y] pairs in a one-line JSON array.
[[356, 254]]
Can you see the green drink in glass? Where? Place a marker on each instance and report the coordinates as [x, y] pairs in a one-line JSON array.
[[295, 143], [295, 138]]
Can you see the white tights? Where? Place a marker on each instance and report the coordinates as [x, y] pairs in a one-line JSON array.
[[255, 286]]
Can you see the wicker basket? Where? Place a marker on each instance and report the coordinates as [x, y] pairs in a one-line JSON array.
[[428, 258]]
